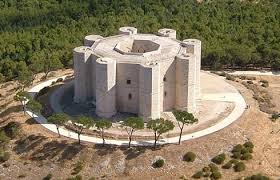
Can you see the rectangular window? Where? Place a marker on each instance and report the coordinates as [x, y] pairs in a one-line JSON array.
[[165, 93], [128, 81], [129, 96]]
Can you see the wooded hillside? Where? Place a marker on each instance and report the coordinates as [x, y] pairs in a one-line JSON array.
[[39, 35]]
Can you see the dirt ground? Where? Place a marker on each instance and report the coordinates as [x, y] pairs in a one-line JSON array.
[[38, 152]]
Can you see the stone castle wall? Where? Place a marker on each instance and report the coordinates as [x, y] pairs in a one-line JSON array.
[[147, 88]]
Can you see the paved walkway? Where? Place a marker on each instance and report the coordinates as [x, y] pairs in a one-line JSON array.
[[238, 110], [258, 73]]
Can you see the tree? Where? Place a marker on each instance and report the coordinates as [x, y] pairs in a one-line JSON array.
[[34, 106], [131, 124], [159, 126], [101, 125], [58, 119], [22, 96], [184, 118], [80, 123], [25, 76]]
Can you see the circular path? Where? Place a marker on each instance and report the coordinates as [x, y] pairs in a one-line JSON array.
[[222, 96]]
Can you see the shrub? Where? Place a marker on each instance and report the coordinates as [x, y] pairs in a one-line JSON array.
[[12, 129], [257, 177], [248, 144], [189, 157], [206, 169], [4, 156], [48, 177], [198, 175], [43, 91], [228, 165], [53, 83], [240, 166], [213, 167], [237, 148], [219, 159], [158, 163], [78, 177], [59, 80], [78, 167], [247, 156], [275, 116], [233, 161], [216, 175], [92, 178], [230, 77]]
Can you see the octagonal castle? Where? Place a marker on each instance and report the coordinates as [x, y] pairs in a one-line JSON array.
[[145, 74]]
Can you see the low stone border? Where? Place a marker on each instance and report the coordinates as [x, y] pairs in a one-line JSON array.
[[240, 107]]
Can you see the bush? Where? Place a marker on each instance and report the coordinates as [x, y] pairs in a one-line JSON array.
[[247, 156], [48, 177], [213, 167], [59, 80], [206, 169], [233, 161], [237, 148], [53, 83], [230, 77], [275, 116], [216, 175], [78, 177], [4, 156], [228, 165], [158, 163], [189, 157], [257, 177], [240, 166], [43, 91], [12, 129], [78, 167], [219, 159], [248, 144], [198, 175], [250, 82]]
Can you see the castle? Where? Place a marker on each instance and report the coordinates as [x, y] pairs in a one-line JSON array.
[[145, 74]]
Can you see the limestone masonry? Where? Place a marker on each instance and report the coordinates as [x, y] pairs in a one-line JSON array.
[[145, 74]]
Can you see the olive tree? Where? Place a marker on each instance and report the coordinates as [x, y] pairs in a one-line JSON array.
[[34, 106], [132, 124], [101, 125], [22, 97], [159, 126], [80, 123], [184, 118], [58, 119]]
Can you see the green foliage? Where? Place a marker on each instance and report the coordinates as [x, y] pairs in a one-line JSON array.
[[43, 91], [275, 116], [158, 163], [58, 118], [247, 156], [12, 129], [230, 77], [189, 157], [238, 167], [77, 168], [160, 126], [78, 177], [48, 177], [4, 139], [34, 106], [4, 156], [197, 175], [43, 33], [257, 177], [219, 159], [216, 175], [132, 124], [213, 167], [101, 125], [80, 123], [228, 165]]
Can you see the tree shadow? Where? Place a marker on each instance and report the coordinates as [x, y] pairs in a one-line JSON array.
[[29, 143], [106, 149], [71, 150], [134, 152], [12, 109], [31, 121]]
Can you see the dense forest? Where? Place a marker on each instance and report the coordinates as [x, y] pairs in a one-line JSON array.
[[39, 35]]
